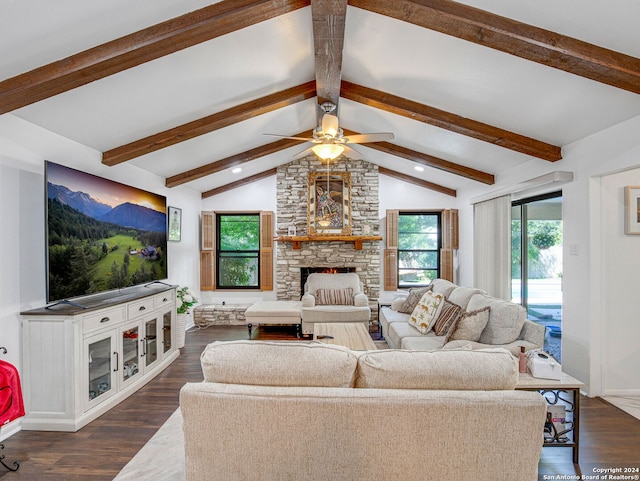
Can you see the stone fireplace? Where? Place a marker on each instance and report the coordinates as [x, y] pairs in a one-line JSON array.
[[292, 201]]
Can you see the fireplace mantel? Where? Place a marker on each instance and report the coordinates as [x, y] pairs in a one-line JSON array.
[[357, 240]]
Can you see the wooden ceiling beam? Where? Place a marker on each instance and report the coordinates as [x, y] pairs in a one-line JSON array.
[[210, 123], [137, 48], [515, 38], [239, 183], [328, 18], [454, 123], [428, 160], [234, 160], [416, 181]]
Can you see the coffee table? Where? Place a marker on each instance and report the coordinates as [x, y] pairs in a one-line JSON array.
[[554, 391], [354, 335]]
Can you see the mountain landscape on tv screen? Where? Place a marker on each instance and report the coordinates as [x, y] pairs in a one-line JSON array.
[[126, 214], [93, 247]]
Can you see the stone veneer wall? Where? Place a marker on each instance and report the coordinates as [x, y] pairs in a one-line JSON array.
[[292, 198]]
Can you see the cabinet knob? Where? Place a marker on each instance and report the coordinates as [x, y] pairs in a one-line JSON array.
[[105, 319], [141, 308]]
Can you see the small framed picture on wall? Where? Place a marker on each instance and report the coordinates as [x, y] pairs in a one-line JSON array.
[[174, 220], [632, 210]]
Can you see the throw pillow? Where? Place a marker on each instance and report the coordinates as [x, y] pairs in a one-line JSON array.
[[449, 314], [426, 312], [336, 297], [415, 294], [470, 325]]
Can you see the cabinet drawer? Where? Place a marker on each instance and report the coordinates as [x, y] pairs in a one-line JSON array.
[[141, 307], [164, 299], [98, 320]]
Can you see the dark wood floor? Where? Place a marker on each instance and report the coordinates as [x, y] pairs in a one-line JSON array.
[[609, 436]]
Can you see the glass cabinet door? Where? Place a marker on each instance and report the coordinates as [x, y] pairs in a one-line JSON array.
[[101, 359], [130, 339], [166, 331], [150, 344]]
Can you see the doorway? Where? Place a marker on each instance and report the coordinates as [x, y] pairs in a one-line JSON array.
[[536, 263]]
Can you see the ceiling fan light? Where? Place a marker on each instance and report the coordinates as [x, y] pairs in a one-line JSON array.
[[327, 151]]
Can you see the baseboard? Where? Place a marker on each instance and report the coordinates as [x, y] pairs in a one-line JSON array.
[[621, 392], [10, 429]]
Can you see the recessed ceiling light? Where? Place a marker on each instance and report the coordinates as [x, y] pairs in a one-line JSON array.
[[419, 168], [237, 170]]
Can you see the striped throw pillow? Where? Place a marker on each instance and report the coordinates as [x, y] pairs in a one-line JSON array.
[[447, 318], [336, 297]]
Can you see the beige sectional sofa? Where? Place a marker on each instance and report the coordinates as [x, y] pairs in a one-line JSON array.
[[273, 411], [507, 325]]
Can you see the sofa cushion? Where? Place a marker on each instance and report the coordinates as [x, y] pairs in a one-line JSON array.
[[496, 369], [426, 312], [339, 297], [443, 286], [273, 363], [412, 299], [470, 325], [449, 315], [318, 280], [427, 342], [462, 295], [505, 321]]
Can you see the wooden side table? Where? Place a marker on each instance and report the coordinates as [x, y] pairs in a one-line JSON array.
[[564, 392]]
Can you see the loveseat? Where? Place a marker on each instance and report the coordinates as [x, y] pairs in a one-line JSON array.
[[333, 298], [293, 410], [506, 324]]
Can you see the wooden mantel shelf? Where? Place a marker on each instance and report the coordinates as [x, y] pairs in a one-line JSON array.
[[357, 240]]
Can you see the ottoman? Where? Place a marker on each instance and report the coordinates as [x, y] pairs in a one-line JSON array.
[[274, 312]]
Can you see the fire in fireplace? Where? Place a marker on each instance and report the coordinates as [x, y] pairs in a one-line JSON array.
[[305, 271]]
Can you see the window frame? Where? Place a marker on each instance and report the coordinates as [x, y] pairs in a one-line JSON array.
[[221, 254], [437, 250]]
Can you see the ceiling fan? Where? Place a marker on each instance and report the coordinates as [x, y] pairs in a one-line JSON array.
[[330, 141]]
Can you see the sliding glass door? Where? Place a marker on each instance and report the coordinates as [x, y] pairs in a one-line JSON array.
[[536, 263]]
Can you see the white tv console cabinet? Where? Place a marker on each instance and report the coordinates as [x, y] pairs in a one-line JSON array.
[[81, 360]]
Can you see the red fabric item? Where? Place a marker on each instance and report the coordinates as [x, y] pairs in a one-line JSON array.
[[11, 402]]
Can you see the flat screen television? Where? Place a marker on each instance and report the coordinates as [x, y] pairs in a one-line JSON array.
[[101, 235]]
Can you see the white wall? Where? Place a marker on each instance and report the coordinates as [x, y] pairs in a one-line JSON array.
[[23, 149]]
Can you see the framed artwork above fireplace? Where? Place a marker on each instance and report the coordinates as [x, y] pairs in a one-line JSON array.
[[329, 207]]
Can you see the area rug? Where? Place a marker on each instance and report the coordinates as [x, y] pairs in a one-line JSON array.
[[162, 458]]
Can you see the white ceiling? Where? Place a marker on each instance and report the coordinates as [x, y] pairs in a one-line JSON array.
[[379, 52]]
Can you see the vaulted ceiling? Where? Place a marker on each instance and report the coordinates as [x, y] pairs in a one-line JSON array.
[[187, 89]]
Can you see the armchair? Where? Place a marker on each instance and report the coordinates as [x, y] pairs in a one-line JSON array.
[[333, 298]]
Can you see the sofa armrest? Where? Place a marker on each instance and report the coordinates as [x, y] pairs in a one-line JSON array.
[[532, 332], [308, 300], [361, 300]]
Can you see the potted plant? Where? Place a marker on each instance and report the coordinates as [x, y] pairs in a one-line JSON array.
[[184, 300]]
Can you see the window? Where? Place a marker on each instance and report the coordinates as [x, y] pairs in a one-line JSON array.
[[237, 251], [419, 244]]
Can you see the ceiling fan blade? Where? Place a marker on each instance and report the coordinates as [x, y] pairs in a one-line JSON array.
[[306, 139], [330, 124], [351, 153], [302, 154], [362, 138]]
